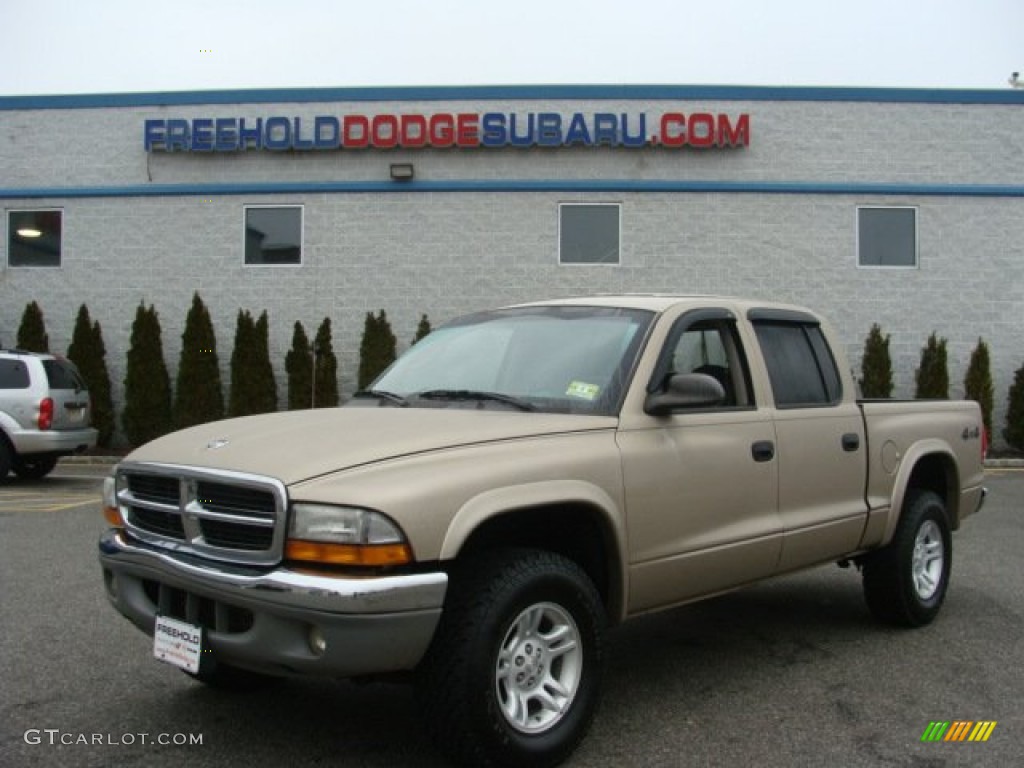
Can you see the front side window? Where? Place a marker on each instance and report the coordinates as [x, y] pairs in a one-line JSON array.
[[588, 233], [273, 235], [34, 238], [886, 237], [711, 347]]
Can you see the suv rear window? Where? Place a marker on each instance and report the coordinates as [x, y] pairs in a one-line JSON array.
[[13, 374], [63, 375]]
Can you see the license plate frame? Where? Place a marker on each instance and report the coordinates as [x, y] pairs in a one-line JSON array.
[[178, 643]]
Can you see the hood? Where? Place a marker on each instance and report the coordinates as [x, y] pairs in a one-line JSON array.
[[299, 445]]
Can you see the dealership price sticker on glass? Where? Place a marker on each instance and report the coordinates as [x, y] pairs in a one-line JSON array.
[[178, 643]]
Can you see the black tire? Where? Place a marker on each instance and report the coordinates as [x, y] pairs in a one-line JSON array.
[[5, 459], [905, 583], [505, 638], [34, 467]]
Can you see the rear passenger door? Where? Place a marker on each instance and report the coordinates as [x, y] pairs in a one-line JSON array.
[[820, 441]]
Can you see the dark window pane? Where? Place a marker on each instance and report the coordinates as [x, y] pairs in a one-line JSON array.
[[33, 238], [13, 374], [588, 234], [62, 375], [791, 363], [273, 235], [887, 237]]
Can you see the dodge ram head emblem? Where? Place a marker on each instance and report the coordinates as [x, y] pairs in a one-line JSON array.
[[213, 445]]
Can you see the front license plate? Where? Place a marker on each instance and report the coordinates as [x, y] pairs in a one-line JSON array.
[[178, 643]]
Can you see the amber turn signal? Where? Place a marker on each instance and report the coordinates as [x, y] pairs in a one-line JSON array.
[[347, 554]]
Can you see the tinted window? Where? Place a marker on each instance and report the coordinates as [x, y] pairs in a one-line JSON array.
[[34, 238], [62, 375], [588, 233], [13, 374], [273, 235], [887, 237], [799, 363]]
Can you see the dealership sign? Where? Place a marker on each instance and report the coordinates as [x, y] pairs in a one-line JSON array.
[[701, 130]]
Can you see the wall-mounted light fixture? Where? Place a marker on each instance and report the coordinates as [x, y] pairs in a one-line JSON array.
[[402, 171]]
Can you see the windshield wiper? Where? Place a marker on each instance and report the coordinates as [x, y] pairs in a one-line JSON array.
[[384, 396], [472, 394]]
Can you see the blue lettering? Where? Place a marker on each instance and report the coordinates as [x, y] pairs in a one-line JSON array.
[[301, 143], [577, 133], [177, 135], [526, 140], [153, 134], [202, 135], [549, 129], [283, 129], [254, 135], [639, 139], [606, 129], [329, 138], [226, 135], [493, 131]]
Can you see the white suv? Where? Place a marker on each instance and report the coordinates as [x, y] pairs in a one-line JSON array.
[[45, 413]]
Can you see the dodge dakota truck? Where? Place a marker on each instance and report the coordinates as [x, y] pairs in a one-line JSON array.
[[517, 483]]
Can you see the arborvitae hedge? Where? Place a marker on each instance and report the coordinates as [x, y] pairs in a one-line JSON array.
[[198, 395], [1014, 432], [876, 365], [978, 383], [147, 386], [88, 352], [933, 374], [32, 331], [377, 350], [298, 363], [422, 329], [326, 367], [264, 387]]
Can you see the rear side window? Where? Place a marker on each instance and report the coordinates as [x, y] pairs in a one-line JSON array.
[[800, 365], [63, 375], [13, 374]]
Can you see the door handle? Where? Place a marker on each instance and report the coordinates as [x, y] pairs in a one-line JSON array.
[[851, 442], [763, 450]]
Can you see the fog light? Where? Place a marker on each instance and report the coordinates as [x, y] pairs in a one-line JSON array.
[[317, 641]]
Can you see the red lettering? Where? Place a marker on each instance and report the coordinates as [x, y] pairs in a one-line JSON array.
[[413, 130], [467, 133], [385, 131], [356, 132], [702, 130], [673, 131], [728, 136], [442, 130]]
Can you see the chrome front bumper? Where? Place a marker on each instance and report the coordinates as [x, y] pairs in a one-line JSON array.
[[263, 619]]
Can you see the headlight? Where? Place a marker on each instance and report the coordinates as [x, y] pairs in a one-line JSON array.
[[344, 536]]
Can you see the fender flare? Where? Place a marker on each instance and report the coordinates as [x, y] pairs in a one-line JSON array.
[[908, 464]]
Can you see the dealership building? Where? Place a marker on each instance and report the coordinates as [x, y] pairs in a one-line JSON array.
[[901, 207]]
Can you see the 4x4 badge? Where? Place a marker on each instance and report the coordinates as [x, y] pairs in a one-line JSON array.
[[213, 445]]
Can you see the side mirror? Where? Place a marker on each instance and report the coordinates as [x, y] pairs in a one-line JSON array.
[[685, 390]]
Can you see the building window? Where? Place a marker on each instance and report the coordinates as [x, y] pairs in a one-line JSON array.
[[273, 235], [588, 233], [34, 238], [887, 237]]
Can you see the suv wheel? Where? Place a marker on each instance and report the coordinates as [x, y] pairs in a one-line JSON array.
[[5, 459], [34, 467], [514, 673]]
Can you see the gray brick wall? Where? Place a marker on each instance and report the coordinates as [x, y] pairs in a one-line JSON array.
[[444, 253]]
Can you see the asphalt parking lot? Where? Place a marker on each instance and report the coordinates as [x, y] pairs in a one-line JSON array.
[[789, 673]]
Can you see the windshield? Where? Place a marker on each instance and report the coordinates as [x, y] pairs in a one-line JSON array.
[[564, 359]]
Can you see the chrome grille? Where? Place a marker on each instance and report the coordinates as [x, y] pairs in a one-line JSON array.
[[223, 515]]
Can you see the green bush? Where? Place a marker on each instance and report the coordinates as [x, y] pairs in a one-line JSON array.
[[198, 394], [240, 399], [147, 386], [422, 329], [298, 363], [89, 354], [1014, 432], [978, 383], [264, 385], [876, 365], [377, 350], [32, 331], [933, 373], [325, 368]]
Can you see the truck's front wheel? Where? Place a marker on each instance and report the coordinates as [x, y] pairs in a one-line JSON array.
[[906, 582], [513, 676]]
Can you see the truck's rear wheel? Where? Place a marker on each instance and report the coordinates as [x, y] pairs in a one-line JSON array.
[[513, 676], [906, 582]]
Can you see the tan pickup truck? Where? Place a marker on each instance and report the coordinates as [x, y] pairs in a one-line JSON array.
[[521, 480]]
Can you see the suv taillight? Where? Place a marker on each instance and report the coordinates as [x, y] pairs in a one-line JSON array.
[[46, 413]]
